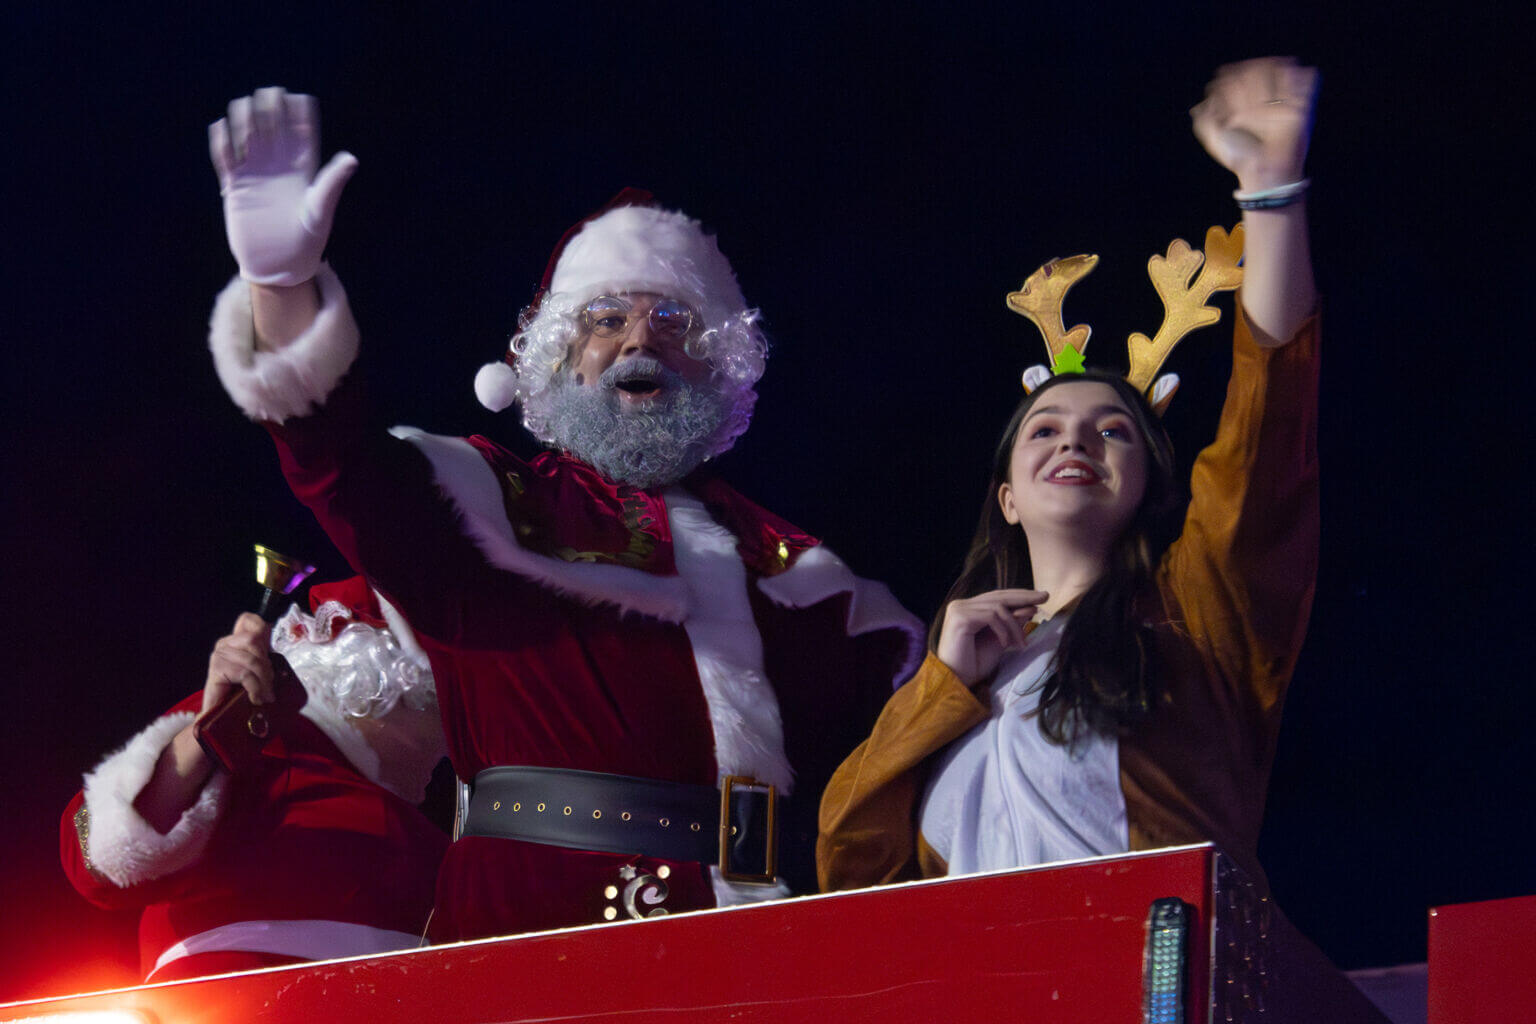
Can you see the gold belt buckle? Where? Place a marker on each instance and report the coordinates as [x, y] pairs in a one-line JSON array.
[[771, 859]]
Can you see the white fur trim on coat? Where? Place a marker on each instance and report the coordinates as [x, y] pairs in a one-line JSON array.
[[298, 378], [470, 485], [126, 849], [819, 574], [727, 648], [306, 940]]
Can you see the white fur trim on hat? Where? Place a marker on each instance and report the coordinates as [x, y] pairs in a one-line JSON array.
[[297, 378], [126, 849], [643, 249]]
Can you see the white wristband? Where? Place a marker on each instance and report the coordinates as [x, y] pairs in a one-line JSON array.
[[1271, 198]]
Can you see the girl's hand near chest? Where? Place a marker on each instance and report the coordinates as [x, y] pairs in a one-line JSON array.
[[979, 630]]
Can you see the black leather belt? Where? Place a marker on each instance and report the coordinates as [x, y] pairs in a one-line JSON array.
[[734, 826]]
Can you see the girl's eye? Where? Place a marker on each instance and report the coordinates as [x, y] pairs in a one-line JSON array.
[[1041, 432], [1118, 433]]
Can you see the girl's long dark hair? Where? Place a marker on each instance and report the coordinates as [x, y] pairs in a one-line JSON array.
[[1103, 678]]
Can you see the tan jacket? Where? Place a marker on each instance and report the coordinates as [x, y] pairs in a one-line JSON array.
[[1236, 591]]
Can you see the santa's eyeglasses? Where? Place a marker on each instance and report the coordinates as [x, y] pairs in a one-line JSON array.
[[611, 316]]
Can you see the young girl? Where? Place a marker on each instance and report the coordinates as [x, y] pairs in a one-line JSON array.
[[1101, 679]]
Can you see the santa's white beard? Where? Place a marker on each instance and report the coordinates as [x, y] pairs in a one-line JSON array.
[[650, 443]]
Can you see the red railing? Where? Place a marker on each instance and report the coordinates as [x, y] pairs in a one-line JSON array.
[[1064, 943]]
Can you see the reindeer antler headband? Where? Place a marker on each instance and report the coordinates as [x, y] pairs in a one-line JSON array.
[[1184, 302]]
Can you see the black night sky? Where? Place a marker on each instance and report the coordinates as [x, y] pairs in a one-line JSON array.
[[880, 176]]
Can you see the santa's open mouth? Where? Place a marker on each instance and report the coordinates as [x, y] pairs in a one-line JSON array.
[[637, 377], [639, 387]]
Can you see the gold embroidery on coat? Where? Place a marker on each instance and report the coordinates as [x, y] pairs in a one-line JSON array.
[[632, 512]]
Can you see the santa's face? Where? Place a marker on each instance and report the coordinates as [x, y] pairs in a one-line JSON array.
[[631, 402], [643, 333]]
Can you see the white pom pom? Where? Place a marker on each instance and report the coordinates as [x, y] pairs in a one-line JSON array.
[[495, 386]]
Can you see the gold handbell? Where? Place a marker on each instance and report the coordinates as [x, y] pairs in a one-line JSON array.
[[278, 574]]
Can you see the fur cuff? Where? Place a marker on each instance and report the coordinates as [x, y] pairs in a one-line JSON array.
[[294, 381], [818, 574], [125, 848]]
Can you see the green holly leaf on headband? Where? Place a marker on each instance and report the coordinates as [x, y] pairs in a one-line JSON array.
[[1068, 360]]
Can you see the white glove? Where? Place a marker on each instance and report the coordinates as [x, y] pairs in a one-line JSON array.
[[277, 210]]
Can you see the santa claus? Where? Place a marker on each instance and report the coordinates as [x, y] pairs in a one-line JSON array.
[[645, 679]]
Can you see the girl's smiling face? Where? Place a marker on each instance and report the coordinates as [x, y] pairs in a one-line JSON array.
[[1078, 462]]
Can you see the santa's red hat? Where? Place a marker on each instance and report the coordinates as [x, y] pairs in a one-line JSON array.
[[630, 245]]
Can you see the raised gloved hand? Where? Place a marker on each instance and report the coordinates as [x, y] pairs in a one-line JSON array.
[[277, 210]]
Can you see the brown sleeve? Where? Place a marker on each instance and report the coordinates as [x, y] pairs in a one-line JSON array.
[[868, 833], [1237, 592], [1241, 577]]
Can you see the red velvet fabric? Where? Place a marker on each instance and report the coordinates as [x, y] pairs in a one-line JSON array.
[[526, 676], [304, 837]]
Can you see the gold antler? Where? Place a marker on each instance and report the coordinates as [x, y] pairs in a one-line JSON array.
[[1185, 302], [1040, 299]]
